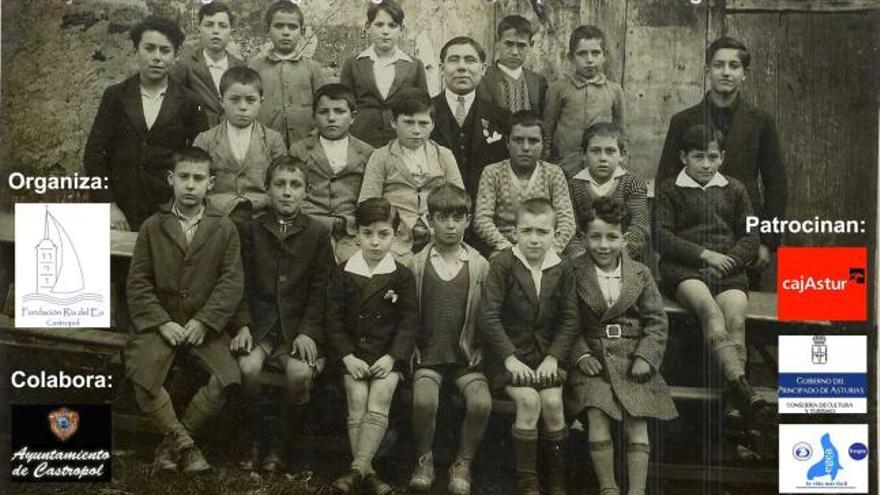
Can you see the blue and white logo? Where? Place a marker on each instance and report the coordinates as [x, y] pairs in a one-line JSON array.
[[816, 380], [823, 458], [802, 451]]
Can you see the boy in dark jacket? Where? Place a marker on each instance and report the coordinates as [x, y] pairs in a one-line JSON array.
[[140, 122], [287, 259], [184, 285], [528, 323]]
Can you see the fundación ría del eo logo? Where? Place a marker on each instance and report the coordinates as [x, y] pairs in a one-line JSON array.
[[822, 283]]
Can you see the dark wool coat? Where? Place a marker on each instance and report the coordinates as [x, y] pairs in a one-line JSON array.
[[332, 196], [470, 143], [170, 281], [286, 277], [690, 220], [516, 320], [373, 122], [364, 319], [134, 158], [192, 72], [640, 313], [751, 149], [536, 83]]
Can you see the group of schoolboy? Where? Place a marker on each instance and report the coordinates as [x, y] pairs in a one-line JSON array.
[[311, 224]]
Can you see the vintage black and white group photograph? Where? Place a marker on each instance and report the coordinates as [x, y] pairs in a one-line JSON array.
[[443, 246]]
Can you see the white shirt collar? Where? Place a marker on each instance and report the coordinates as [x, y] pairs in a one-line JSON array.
[[452, 100], [685, 180], [551, 259], [334, 143], [157, 95], [462, 254], [585, 175], [612, 274], [223, 63], [398, 54], [513, 73], [358, 265]]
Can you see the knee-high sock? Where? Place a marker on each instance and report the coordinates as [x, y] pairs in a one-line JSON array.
[[478, 407], [525, 450], [354, 430], [205, 404], [602, 453], [373, 429], [637, 455], [727, 355]]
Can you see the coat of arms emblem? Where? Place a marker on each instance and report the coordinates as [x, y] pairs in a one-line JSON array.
[[63, 423]]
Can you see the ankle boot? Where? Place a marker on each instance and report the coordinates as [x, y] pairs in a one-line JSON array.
[[525, 450], [752, 405], [555, 453]]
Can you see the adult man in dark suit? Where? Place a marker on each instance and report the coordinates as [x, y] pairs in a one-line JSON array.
[[751, 142], [140, 123], [472, 127]]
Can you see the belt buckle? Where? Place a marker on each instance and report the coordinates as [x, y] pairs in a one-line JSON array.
[[613, 331]]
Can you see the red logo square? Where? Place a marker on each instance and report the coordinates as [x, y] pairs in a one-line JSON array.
[[822, 283]]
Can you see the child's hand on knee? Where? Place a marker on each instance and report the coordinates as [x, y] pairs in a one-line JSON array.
[[547, 371], [718, 261], [195, 332], [173, 333], [519, 372], [242, 342], [305, 347], [641, 370], [476, 358], [382, 367], [356, 367], [589, 365]]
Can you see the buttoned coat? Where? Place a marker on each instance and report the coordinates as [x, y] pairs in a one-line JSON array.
[[517, 320], [286, 276], [193, 73], [751, 151], [134, 158], [640, 311], [170, 281], [536, 84], [371, 317], [373, 122], [332, 196], [478, 269], [478, 143], [236, 180], [288, 86]]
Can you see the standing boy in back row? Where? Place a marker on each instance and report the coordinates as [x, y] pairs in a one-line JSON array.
[[508, 83], [751, 142]]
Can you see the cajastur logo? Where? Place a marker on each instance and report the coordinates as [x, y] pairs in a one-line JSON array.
[[822, 283]]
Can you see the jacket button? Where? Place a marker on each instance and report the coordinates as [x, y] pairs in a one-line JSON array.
[[332, 179], [184, 294], [282, 278]]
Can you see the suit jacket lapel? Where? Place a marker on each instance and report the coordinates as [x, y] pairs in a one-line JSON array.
[[203, 232], [446, 123], [375, 286], [524, 278], [533, 83], [365, 67], [255, 153], [588, 287], [400, 69], [739, 129], [397, 159], [200, 69], [174, 98], [133, 104], [172, 227], [549, 281], [319, 157]]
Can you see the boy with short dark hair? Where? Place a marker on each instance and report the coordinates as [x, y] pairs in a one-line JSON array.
[[507, 82], [405, 170], [185, 283], [140, 122], [507, 184], [334, 162], [449, 275], [201, 70], [752, 143], [289, 79], [241, 148], [529, 320], [287, 261]]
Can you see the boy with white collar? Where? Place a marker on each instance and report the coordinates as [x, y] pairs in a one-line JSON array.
[[528, 322]]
